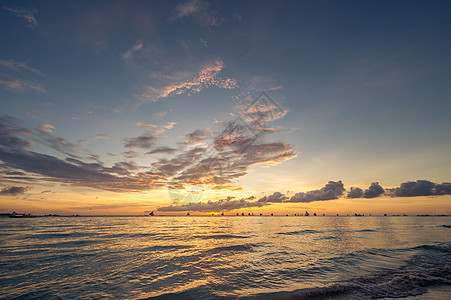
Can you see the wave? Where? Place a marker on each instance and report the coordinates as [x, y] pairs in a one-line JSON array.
[[220, 236], [431, 267], [235, 248], [165, 248], [298, 232], [413, 279]]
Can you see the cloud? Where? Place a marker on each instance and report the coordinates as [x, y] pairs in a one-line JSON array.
[[443, 188], [100, 136], [12, 191], [134, 49], [169, 125], [141, 142], [210, 165], [10, 129], [156, 129], [418, 188], [421, 188], [277, 197], [46, 128], [355, 192], [162, 150], [217, 161], [199, 11], [131, 154], [206, 77], [18, 66], [43, 135], [76, 172], [226, 204], [373, 191], [332, 190], [29, 15], [161, 114], [15, 155], [16, 84], [197, 137]]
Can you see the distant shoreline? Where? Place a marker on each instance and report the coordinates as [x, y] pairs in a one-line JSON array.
[[6, 215]]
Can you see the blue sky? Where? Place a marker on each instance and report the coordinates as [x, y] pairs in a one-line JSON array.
[[362, 87]]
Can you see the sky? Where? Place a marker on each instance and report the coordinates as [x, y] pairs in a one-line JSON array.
[[128, 107]]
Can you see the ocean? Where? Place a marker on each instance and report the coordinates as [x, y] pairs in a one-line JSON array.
[[226, 257]]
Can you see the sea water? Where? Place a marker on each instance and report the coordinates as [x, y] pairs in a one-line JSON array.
[[267, 257]]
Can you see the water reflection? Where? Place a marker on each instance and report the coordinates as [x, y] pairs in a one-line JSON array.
[[228, 256]]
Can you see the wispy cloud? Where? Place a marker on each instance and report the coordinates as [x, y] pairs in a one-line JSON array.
[[100, 136], [217, 165], [16, 84], [20, 80], [156, 129], [12, 191], [29, 15], [198, 10], [46, 128], [163, 150], [134, 49], [19, 65], [15, 154], [140, 142], [207, 76]]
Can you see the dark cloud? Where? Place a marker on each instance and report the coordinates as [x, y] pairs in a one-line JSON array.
[[12, 191], [181, 162], [141, 142], [227, 204], [236, 135], [9, 130], [77, 172], [197, 137], [443, 188], [124, 168], [277, 197], [162, 150], [355, 192], [332, 190], [373, 191], [421, 188], [415, 188], [131, 154]]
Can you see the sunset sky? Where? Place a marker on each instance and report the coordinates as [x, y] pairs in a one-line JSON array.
[[127, 107]]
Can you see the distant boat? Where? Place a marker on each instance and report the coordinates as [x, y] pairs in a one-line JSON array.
[[306, 214], [187, 213], [151, 213], [222, 214], [16, 215], [314, 214]]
